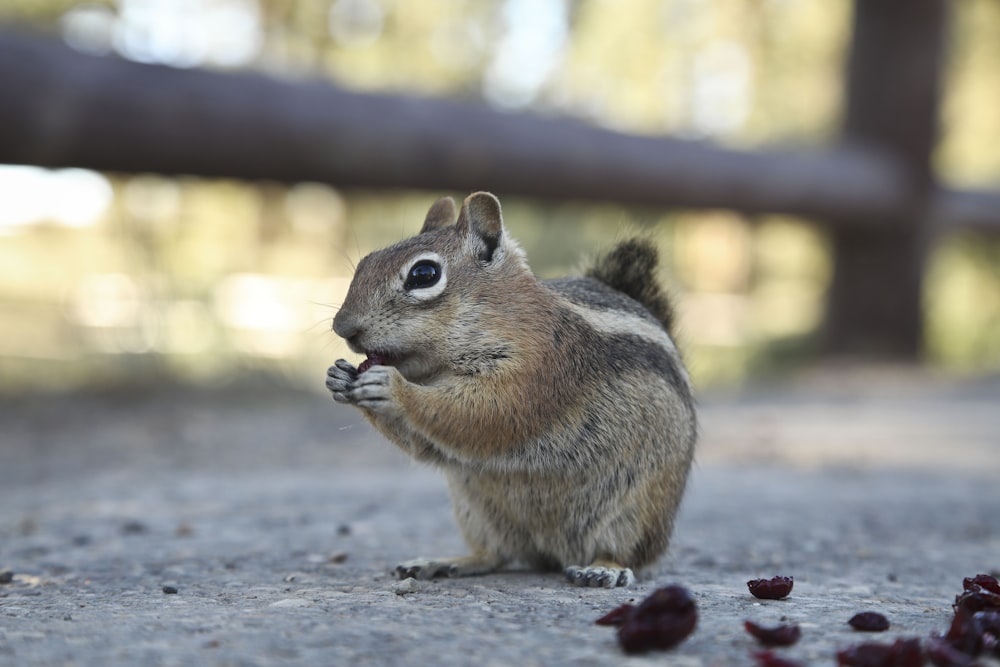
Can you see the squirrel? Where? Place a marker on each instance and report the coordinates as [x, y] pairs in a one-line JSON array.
[[560, 411]]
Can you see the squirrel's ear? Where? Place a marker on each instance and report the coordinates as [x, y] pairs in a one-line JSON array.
[[481, 223], [441, 214]]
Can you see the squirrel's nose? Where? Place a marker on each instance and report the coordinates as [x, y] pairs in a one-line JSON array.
[[346, 326]]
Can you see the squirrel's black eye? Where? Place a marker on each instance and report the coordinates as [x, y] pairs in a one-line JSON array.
[[424, 273]]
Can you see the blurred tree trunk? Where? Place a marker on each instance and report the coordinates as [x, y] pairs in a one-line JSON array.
[[893, 92]]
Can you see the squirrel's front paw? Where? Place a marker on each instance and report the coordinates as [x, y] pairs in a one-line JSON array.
[[371, 390], [339, 379]]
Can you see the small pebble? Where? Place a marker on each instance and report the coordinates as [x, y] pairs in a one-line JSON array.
[[408, 585], [133, 528], [339, 557], [291, 603], [170, 590]]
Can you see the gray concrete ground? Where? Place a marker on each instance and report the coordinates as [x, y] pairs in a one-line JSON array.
[[277, 517]]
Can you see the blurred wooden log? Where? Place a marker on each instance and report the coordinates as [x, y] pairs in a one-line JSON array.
[[63, 108], [875, 190], [965, 210]]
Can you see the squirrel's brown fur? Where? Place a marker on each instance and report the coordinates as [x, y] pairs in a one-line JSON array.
[[630, 268], [560, 411]]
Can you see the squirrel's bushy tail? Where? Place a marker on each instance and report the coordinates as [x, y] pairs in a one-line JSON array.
[[630, 268]]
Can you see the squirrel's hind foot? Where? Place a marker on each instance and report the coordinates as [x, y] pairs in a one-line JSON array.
[[600, 574], [465, 566]]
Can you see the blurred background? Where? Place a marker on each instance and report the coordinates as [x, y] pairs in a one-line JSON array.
[[113, 280]]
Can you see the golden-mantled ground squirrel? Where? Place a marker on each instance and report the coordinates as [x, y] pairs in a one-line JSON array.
[[560, 411]]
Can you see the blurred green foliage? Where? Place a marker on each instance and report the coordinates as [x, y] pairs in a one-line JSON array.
[[200, 280]]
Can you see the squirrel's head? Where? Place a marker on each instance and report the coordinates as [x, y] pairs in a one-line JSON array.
[[410, 303]]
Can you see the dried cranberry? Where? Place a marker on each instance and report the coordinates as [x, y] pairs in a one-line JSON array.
[[774, 588], [769, 659], [975, 633], [943, 654], [983, 581], [782, 635], [616, 616], [901, 653], [865, 655], [975, 627], [907, 653], [989, 625], [976, 598], [963, 634], [661, 621], [869, 621], [374, 359]]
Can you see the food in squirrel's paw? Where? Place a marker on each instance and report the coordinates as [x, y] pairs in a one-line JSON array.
[[372, 360]]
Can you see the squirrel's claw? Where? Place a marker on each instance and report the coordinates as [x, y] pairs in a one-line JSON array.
[[480, 562], [422, 568], [345, 366], [598, 576]]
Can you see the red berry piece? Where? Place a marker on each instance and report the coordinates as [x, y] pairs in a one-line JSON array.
[[774, 588], [989, 623], [943, 654], [661, 621], [964, 633], [975, 633], [865, 655], [616, 616], [981, 593], [984, 581], [869, 621], [769, 659], [901, 653], [782, 635], [374, 359], [907, 653], [976, 599]]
